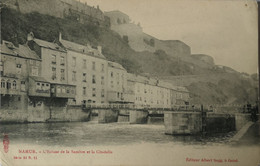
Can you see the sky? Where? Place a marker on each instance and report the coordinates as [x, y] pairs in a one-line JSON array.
[[223, 29]]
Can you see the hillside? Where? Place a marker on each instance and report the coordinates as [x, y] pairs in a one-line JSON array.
[[15, 26]]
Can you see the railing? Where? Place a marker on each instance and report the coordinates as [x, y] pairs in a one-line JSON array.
[[157, 107], [142, 106]]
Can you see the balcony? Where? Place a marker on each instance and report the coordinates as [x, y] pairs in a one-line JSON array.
[[9, 86], [63, 90], [38, 86]]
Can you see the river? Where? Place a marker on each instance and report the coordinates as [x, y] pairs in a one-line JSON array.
[[123, 139]]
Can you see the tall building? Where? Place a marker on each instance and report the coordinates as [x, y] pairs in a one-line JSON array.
[[87, 70], [117, 82], [54, 66]]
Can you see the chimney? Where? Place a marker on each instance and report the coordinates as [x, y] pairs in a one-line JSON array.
[[30, 36], [99, 49], [60, 36]]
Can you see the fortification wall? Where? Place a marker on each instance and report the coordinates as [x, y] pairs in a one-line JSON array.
[[61, 9], [206, 58]]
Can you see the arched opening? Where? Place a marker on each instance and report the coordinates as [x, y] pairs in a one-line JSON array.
[[14, 84], [8, 85], [2, 83]]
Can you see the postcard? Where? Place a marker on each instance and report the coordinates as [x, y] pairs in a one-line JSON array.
[[129, 82]]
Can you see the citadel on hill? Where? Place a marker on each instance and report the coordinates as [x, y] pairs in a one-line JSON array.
[[62, 9], [115, 20]]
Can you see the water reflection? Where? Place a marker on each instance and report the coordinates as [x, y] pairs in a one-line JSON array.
[[92, 133]]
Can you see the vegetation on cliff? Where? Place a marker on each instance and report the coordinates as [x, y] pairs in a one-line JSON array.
[[15, 26]]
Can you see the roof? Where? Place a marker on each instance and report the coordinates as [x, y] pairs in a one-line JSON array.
[[38, 79], [115, 65], [21, 51], [88, 50], [26, 52], [65, 84], [49, 45], [8, 48], [155, 82]]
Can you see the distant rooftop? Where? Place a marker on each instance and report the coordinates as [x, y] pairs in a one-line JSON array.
[[21, 51], [88, 50], [115, 65], [49, 45]]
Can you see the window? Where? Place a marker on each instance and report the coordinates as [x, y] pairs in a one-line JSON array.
[[112, 74], [74, 76], [63, 90], [84, 63], [118, 95], [53, 73], [1, 68], [8, 85], [94, 92], [93, 65], [84, 101], [58, 89], [68, 90], [22, 85], [93, 79], [62, 74], [102, 67], [18, 68], [34, 71], [43, 86], [38, 86], [84, 91], [102, 93], [62, 61], [117, 78], [31, 62], [84, 75], [2, 83], [53, 59], [112, 84], [102, 80], [73, 61], [14, 84]]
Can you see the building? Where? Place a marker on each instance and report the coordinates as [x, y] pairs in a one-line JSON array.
[[54, 66], [117, 82], [154, 93], [87, 70], [148, 91], [41, 80], [16, 67]]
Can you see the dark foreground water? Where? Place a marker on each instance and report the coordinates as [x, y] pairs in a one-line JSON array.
[[92, 133]]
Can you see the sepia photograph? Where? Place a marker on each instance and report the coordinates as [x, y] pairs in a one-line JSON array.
[[129, 83]]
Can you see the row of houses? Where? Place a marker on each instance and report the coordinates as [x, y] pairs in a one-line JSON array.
[[72, 74]]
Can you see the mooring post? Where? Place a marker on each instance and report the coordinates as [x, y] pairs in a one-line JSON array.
[[203, 118]]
